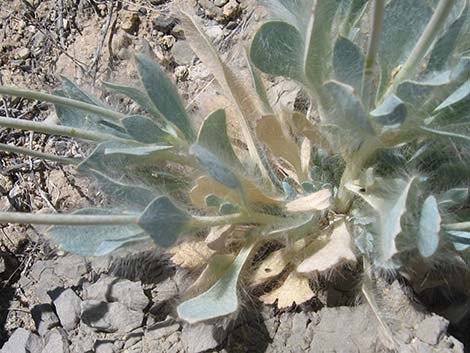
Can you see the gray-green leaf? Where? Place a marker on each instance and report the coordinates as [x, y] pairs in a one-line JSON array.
[[219, 300], [429, 227], [348, 63], [391, 113], [164, 95], [164, 222], [143, 129]]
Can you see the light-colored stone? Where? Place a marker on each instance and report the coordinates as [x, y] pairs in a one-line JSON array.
[[130, 22], [22, 341], [110, 317], [44, 318], [67, 305], [202, 337], [432, 329], [182, 52], [56, 342]]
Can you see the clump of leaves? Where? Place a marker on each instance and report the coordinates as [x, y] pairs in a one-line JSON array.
[[380, 178]]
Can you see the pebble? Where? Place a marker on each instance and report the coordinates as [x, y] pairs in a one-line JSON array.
[[112, 289], [232, 10], [130, 22], [182, 53], [22, 341], [23, 53], [5, 184], [45, 318], [164, 23], [56, 342], [167, 41], [202, 337], [432, 329], [67, 305]]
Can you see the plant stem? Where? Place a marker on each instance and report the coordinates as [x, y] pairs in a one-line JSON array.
[[50, 129], [374, 39], [432, 29], [62, 219], [37, 154], [62, 101], [457, 226]]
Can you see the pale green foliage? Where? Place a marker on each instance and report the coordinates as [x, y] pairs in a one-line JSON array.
[[394, 129]]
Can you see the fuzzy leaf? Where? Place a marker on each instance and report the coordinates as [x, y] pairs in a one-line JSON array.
[[73, 117], [213, 137], [87, 240], [319, 41], [143, 129], [143, 151], [454, 197], [295, 289], [403, 24], [337, 251], [206, 185], [141, 98], [317, 201], [219, 300], [389, 201], [259, 86], [75, 92], [214, 167], [460, 239], [277, 50], [164, 95], [164, 222], [347, 113], [269, 131], [392, 112], [445, 45], [460, 95], [348, 63], [217, 237], [218, 265], [429, 227], [191, 254]]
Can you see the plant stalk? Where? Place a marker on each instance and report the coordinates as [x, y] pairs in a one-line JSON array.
[[373, 47], [37, 154], [430, 33], [50, 129], [17, 92], [62, 219], [457, 226]]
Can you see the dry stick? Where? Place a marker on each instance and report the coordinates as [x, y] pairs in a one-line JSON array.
[[111, 37], [37, 154], [60, 22], [104, 33], [63, 219]]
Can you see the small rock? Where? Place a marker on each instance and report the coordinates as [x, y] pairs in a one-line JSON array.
[[22, 341], [164, 23], [214, 32], [113, 289], [56, 342], [130, 22], [5, 184], [167, 41], [220, 3], [105, 347], [71, 267], [211, 10], [202, 337], [232, 10], [182, 53], [110, 317], [432, 329], [44, 318], [67, 305], [162, 329], [181, 73], [23, 53]]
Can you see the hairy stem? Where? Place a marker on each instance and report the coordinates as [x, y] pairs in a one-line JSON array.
[[37, 154], [62, 219], [62, 101], [457, 226], [50, 129], [425, 41], [373, 46]]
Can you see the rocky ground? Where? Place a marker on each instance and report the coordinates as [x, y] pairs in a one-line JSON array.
[[52, 302]]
